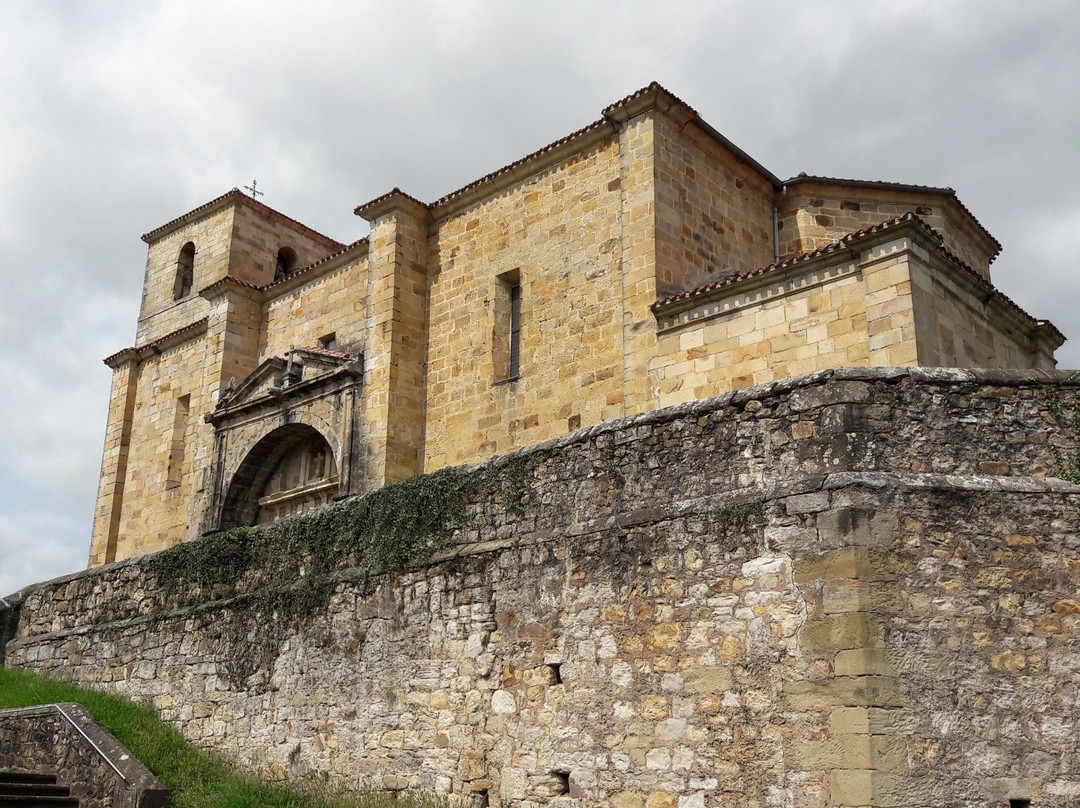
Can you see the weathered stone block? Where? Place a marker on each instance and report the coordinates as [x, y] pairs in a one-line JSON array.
[[851, 788], [846, 691], [848, 751], [707, 680], [858, 526], [862, 661], [840, 631]]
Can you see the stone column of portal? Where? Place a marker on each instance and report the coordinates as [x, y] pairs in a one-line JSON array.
[[232, 352], [125, 367], [396, 344]]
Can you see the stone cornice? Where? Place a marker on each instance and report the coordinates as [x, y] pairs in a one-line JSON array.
[[158, 346], [339, 378], [704, 302], [394, 200], [229, 285]]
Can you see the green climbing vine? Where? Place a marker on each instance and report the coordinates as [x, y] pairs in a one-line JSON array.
[[275, 578], [739, 518], [1066, 410], [512, 480]]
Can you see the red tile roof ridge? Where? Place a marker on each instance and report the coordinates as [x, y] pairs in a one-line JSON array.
[[302, 270], [796, 259], [200, 323], [603, 122], [804, 177], [383, 197], [902, 186], [108, 360], [906, 217], [229, 279], [651, 87], [235, 195], [1008, 301]]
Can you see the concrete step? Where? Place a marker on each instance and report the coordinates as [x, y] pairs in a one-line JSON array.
[[26, 777], [28, 790], [33, 790]]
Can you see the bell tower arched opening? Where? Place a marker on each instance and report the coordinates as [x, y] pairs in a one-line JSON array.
[[185, 272]]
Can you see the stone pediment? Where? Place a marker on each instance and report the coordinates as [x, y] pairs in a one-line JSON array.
[[287, 377]]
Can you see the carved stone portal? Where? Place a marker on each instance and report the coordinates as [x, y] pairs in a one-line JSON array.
[[285, 438]]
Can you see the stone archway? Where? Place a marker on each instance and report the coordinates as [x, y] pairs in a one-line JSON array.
[[288, 471]]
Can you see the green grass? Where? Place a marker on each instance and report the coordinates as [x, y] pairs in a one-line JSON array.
[[196, 778]]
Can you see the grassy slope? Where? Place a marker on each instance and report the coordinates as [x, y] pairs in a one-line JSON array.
[[197, 779]]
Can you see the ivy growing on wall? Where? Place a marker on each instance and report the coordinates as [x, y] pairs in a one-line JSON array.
[[1066, 409], [275, 578]]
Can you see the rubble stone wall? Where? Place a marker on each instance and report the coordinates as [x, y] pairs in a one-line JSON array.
[[855, 588]]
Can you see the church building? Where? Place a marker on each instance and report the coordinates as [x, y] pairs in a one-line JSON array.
[[640, 262]]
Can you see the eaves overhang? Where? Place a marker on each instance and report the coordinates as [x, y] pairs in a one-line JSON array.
[[231, 198], [899, 187], [158, 346], [656, 96], [849, 248]]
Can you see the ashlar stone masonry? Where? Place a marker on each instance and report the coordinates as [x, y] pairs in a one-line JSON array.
[[640, 262]]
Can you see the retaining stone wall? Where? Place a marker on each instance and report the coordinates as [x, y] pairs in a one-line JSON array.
[[860, 587]]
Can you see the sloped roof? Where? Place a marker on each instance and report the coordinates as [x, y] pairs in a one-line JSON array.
[[906, 220], [235, 197], [900, 187]]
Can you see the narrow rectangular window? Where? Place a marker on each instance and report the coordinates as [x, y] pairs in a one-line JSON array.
[[178, 440], [506, 340], [515, 330]]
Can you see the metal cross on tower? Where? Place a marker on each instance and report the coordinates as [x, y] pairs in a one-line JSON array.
[[254, 189]]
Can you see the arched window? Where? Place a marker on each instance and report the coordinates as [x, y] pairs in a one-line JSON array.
[[290, 470], [185, 272], [286, 262]]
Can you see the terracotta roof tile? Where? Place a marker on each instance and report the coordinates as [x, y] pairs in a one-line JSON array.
[[899, 186], [651, 87], [796, 259], [842, 243], [395, 191], [319, 350], [238, 197], [296, 273], [172, 336], [511, 166], [226, 281]]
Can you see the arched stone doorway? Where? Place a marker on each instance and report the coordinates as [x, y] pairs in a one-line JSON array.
[[290, 470]]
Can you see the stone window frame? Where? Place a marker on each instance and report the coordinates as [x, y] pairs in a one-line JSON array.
[[184, 280], [506, 330]]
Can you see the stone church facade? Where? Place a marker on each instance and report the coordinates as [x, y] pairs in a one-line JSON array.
[[640, 262]]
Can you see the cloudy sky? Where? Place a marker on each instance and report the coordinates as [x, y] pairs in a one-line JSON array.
[[119, 115]]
